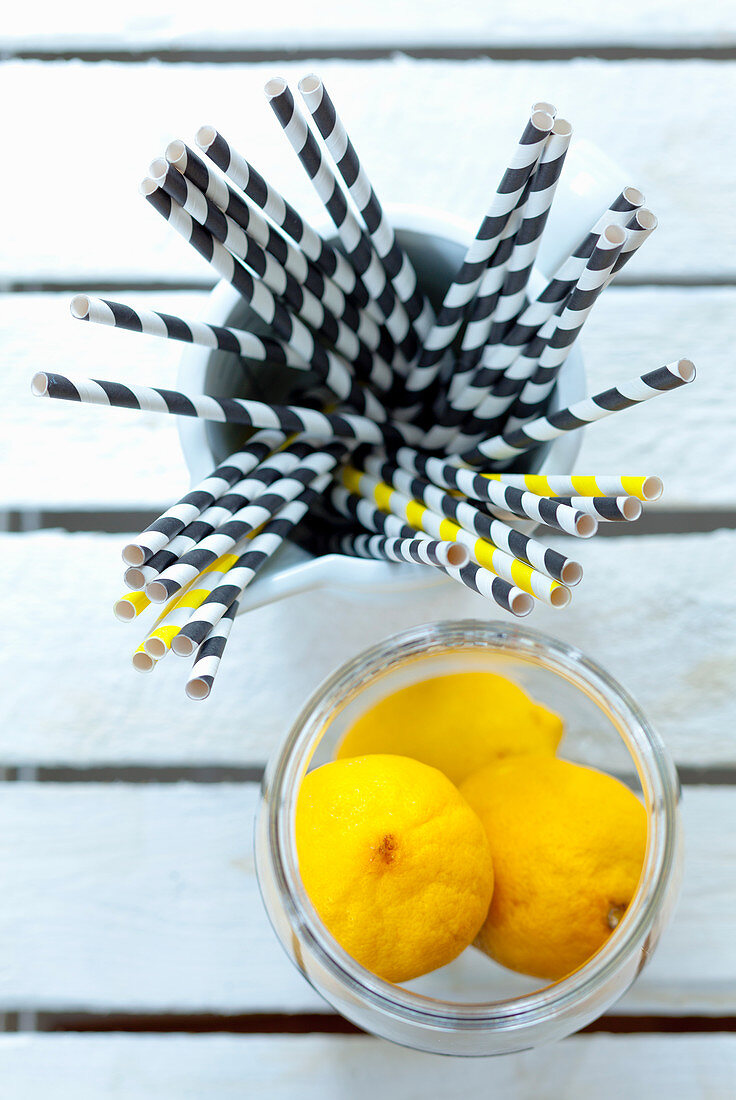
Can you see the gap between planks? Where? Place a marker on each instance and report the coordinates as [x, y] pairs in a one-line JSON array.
[[690, 775], [308, 1023], [470, 52]]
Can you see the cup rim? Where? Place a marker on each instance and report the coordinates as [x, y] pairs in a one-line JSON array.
[[656, 772]]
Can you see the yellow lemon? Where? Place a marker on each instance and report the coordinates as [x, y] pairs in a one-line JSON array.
[[457, 723], [395, 862], [568, 846]]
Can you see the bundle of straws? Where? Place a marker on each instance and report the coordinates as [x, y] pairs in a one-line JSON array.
[[399, 447]]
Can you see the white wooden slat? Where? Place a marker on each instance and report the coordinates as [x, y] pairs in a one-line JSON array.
[[333, 24], [115, 458], [435, 134], [144, 898], [322, 1067], [656, 611]]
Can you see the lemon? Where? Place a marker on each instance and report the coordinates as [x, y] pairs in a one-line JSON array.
[[568, 846], [456, 722], [395, 862]]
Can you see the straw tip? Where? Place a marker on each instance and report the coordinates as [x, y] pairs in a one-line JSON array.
[[204, 136], [686, 369], [182, 646], [197, 689], [123, 610], [275, 86], [613, 235], [79, 307], [176, 154], [634, 196], [133, 554], [147, 186], [40, 384], [156, 592], [310, 84], [158, 168], [652, 488]]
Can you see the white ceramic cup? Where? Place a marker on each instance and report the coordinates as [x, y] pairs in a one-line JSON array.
[[436, 244]]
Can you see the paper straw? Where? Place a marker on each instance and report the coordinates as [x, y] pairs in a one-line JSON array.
[[355, 242], [534, 397], [283, 214], [473, 576], [282, 277], [322, 361], [607, 508], [300, 461], [327, 364], [261, 547], [129, 607], [647, 487], [469, 527], [290, 419], [209, 655], [142, 661], [264, 349], [466, 283], [535, 553], [257, 512], [420, 551], [294, 258], [179, 611], [516, 501], [497, 358], [513, 299], [397, 264], [631, 392], [189, 507]]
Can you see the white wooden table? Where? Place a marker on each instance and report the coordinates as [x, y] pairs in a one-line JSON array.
[[135, 957]]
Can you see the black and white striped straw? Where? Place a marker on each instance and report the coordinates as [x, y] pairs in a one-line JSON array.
[[356, 243], [173, 521], [498, 358], [291, 419], [242, 173], [631, 392], [525, 389], [283, 280], [263, 349], [209, 656], [467, 281], [299, 462], [293, 259], [419, 550], [257, 512], [259, 549], [327, 364], [518, 502], [534, 397], [606, 508], [397, 264], [513, 297]]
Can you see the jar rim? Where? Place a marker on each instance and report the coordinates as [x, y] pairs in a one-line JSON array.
[[654, 766]]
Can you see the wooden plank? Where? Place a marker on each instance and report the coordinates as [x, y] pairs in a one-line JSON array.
[[124, 1067], [434, 134], [144, 898], [334, 25], [137, 459], [653, 589]]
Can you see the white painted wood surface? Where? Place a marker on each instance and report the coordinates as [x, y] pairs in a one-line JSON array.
[[144, 898], [656, 611], [323, 1067], [332, 24], [46, 447], [436, 134]]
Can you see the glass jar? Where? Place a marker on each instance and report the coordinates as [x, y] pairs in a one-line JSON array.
[[473, 1006]]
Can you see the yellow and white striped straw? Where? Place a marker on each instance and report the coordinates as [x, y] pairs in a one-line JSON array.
[[422, 518], [179, 610], [130, 606], [583, 485], [142, 661]]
